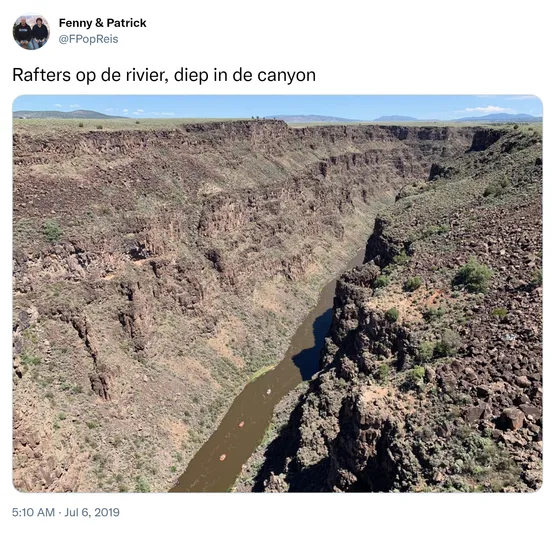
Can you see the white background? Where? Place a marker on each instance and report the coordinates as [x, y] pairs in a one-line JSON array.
[[388, 47]]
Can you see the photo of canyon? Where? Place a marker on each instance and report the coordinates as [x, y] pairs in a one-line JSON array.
[[277, 293]]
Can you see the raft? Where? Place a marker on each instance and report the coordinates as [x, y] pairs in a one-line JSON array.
[[222, 457], [241, 424]]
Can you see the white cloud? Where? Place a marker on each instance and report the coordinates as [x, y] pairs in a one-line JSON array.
[[169, 114], [125, 111], [74, 106], [140, 110], [57, 105], [488, 109], [109, 109]]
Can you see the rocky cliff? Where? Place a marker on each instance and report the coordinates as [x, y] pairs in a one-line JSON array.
[[431, 377]]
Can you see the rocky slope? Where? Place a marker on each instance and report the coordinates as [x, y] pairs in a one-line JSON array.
[[431, 378], [156, 270]]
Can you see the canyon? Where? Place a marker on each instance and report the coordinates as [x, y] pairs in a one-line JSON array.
[[155, 272]]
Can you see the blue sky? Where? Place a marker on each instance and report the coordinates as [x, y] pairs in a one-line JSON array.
[[354, 107]]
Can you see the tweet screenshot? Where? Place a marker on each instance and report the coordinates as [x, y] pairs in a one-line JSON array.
[[263, 248]]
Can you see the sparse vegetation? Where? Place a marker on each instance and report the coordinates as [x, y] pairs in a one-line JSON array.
[[537, 278], [411, 284], [433, 313], [381, 281], [448, 345], [392, 315], [142, 485], [51, 230], [495, 189], [415, 377], [425, 352], [401, 258], [30, 360], [492, 190], [473, 276], [500, 312], [383, 372], [435, 230]]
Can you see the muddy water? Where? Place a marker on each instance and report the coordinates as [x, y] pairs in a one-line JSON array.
[[255, 404]]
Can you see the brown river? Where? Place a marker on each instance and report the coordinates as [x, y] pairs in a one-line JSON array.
[[243, 427]]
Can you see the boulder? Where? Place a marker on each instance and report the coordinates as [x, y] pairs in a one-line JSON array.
[[511, 418]]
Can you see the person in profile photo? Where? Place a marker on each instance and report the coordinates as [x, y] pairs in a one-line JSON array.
[[22, 33], [39, 34]]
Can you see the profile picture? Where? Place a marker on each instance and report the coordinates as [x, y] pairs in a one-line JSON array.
[[31, 31]]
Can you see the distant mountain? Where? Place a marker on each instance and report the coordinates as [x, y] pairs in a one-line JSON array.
[[79, 113], [295, 119], [501, 117], [396, 118]]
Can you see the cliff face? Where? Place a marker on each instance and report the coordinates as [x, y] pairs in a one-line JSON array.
[[146, 264], [431, 374]]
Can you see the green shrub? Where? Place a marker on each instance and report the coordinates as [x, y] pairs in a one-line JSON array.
[[81, 124], [537, 278], [401, 258], [431, 313], [448, 345], [30, 360], [142, 485], [381, 281], [51, 230], [492, 190], [425, 352], [137, 122], [444, 228], [392, 315], [415, 378], [383, 372], [412, 284], [473, 276], [99, 127], [435, 230], [501, 312]]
